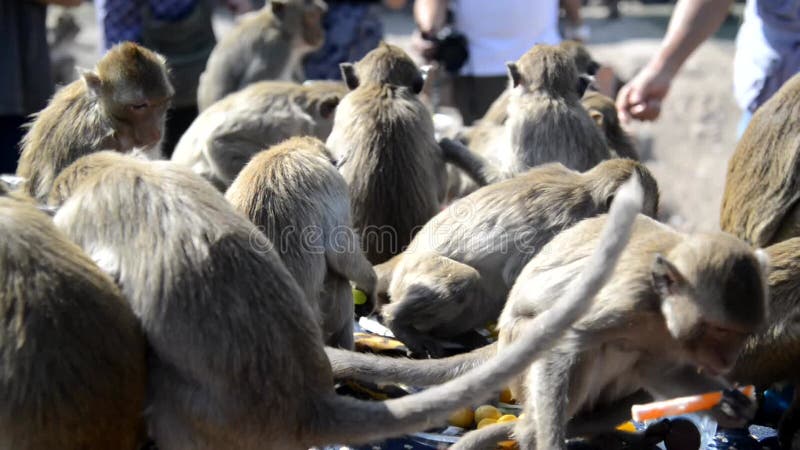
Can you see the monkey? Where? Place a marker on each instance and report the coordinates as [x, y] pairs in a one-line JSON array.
[[267, 45], [457, 271], [73, 368], [545, 121], [584, 63], [384, 142], [236, 355], [675, 303], [760, 201], [296, 196], [226, 135], [120, 105], [771, 355], [604, 113]]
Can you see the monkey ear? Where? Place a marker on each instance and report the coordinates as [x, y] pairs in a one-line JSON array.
[[584, 81], [597, 116], [667, 279], [513, 74], [92, 81], [349, 75], [328, 106], [278, 7]]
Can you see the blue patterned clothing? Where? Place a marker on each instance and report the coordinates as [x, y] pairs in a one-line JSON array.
[[121, 20], [351, 31]]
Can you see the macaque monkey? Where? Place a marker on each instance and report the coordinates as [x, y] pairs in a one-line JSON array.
[[545, 121], [771, 356], [604, 113], [267, 45], [584, 63], [456, 273], [225, 136], [762, 188], [384, 141], [237, 360], [120, 105], [676, 303], [72, 356], [298, 199]]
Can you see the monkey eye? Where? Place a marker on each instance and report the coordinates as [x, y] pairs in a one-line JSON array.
[[139, 106]]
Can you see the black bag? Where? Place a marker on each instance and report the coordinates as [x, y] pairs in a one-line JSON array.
[[452, 49]]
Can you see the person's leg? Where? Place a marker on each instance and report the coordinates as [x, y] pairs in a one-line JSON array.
[[178, 121], [11, 133], [473, 95]]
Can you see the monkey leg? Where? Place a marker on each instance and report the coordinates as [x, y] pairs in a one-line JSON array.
[[338, 312], [547, 383], [344, 256], [485, 438], [790, 225]]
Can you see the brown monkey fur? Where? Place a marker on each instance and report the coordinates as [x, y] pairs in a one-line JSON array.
[[762, 188], [675, 303], [384, 141], [771, 356], [237, 360], [72, 356], [545, 121], [603, 111], [584, 63], [225, 136], [457, 272], [298, 199], [267, 45], [120, 105]]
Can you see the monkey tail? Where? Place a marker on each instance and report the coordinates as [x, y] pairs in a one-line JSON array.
[[477, 167], [349, 421], [414, 372]]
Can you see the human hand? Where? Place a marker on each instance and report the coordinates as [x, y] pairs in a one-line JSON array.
[[423, 45], [239, 6], [641, 97]]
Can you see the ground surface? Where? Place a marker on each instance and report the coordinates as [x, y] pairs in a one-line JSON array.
[[687, 149]]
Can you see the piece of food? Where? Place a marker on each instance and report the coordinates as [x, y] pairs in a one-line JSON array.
[[462, 418], [486, 422], [507, 418], [486, 412], [505, 396]]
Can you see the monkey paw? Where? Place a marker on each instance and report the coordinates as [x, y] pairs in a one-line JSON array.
[[735, 409]]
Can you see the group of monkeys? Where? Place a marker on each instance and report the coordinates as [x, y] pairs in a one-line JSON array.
[[206, 302]]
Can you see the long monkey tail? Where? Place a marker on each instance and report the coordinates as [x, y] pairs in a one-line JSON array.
[[347, 420]]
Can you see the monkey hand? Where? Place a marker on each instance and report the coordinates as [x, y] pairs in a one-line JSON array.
[[641, 97], [735, 409]]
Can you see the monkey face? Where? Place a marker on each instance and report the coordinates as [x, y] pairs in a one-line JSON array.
[[715, 348], [140, 125]]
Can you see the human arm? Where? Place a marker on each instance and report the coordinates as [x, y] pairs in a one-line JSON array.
[[68, 3], [394, 4], [692, 22]]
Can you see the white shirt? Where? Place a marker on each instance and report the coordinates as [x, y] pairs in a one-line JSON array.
[[499, 31]]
